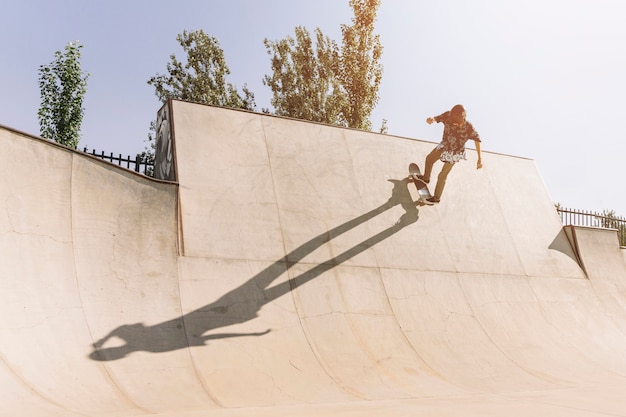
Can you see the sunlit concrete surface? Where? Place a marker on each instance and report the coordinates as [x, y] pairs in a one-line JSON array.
[[288, 272]]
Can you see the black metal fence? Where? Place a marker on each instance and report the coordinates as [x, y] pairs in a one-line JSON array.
[[138, 163], [606, 220]]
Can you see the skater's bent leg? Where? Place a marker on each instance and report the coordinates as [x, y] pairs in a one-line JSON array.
[[441, 180], [431, 158]]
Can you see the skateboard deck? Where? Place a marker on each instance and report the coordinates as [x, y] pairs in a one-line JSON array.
[[421, 186]]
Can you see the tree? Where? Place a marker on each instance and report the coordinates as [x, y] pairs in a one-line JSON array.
[[202, 78], [361, 71], [327, 84], [384, 129], [63, 86], [609, 220], [304, 79]]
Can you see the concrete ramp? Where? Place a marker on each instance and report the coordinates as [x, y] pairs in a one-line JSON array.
[[288, 271]]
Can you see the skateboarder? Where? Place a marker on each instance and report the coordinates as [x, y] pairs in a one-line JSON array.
[[451, 150]]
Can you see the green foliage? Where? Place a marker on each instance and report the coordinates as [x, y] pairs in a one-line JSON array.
[[148, 155], [63, 86], [610, 220], [384, 129], [328, 84], [361, 70], [202, 78], [304, 79]]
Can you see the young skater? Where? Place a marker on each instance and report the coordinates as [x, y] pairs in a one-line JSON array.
[[451, 150]]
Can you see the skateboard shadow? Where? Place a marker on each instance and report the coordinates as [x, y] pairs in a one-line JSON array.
[[243, 303]]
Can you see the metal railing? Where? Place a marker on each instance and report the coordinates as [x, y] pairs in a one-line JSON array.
[[138, 163], [606, 220]]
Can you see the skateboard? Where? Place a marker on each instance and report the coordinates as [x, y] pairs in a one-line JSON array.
[[421, 186]]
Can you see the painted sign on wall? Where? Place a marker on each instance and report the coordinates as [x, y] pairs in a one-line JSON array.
[[164, 154]]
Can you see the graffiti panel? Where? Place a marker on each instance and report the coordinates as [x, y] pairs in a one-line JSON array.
[[164, 154]]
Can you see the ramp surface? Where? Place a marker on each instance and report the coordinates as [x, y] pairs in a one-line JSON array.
[[289, 272]]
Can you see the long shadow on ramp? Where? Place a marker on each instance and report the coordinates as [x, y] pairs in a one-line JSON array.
[[244, 302]]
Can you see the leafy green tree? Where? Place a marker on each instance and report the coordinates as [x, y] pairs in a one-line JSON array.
[[304, 79], [202, 78], [63, 86], [328, 84], [361, 71]]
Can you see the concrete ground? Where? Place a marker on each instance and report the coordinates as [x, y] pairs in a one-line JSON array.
[[289, 272]]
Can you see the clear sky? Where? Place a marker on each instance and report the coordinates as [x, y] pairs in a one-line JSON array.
[[542, 79]]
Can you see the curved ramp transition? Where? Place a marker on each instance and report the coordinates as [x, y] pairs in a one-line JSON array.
[[288, 271]]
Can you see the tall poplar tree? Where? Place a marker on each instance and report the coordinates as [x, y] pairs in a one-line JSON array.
[[304, 78], [63, 86], [325, 83], [361, 71]]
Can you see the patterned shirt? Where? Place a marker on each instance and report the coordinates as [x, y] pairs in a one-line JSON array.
[[454, 138]]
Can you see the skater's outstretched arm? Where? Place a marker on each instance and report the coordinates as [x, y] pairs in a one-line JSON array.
[[479, 164]]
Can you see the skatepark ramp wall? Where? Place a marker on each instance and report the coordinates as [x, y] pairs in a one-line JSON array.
[[289, 271], [80, 240]]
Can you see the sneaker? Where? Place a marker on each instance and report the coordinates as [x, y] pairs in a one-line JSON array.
[[433, 200]]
